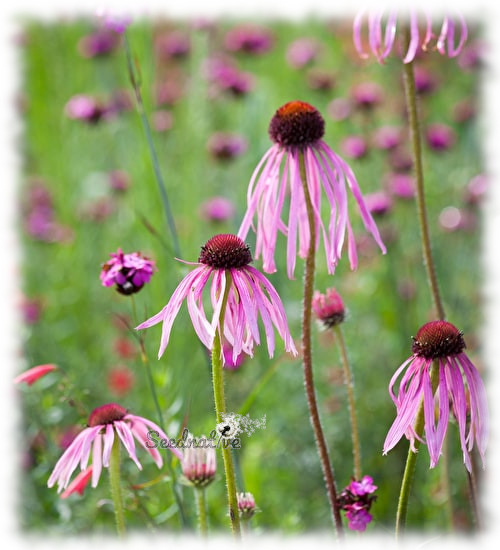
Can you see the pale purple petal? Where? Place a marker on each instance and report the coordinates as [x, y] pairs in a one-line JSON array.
[[109, 437], [125, 434], [414, 39], [96, 459]]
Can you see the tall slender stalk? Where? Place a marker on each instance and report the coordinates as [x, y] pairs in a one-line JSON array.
[[220, 408], [152, 151], [349, 384], [319, 436], [114, 483], [201, 511]]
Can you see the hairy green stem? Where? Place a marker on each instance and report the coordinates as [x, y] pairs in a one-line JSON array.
[[152, 151], [114, 483], [319, 436], [220, 408], [201, 510], [411, 459], [349, 384]]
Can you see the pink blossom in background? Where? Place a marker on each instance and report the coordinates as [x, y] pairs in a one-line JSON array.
[[119, 180], [249, 39], [401, 186], [329, 307], [246, 505], [339, 108], [120, 380], [382, 36], [425, 82], [100, 43], [442, 343], [440, 137], [476, 189], [32, 375], [387, 137], [79, 483], [367, 95], [302, 52], [378, 203], [172, 45], [320, 79], [226, 145], [354, 147], [162, 120], [84, 107], [218, 209], [129, 272], [104, 424], [225, 259]]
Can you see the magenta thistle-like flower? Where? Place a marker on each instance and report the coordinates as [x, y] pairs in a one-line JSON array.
[[356, 500], [199, 463], [363, 487], [129, 272], [329, 307], [225, 259], [459, 387], [357, 516], [296, 129], [382, 40], [104, 424]]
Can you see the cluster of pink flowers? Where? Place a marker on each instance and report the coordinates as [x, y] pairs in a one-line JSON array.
[[129, 272], [356, 500]]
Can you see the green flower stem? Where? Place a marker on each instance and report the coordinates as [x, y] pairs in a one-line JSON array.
[[349, 384], [411, 459], [152, 151], [114, 483], [415, 136], [201, 510], [319, 436], [152, 388], [220, 408]]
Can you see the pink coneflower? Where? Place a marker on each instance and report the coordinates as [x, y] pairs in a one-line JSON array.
[[442, 343], [296, 130], [226, 258], [79, 483], [104, 424], [246, 505], [199, 463], [356, 500], [381, 41], [129, 272], [217, 209], [32, 375], [329, 307]]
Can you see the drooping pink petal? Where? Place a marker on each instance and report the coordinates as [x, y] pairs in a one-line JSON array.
[[109, 437], [79, 483], [32, 375], [125, 434], [96, 459]]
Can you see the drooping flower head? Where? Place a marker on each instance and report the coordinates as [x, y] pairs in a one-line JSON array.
[[225, 260], [356, 500], [129, 272], [199, 464], [296, 130], [104, 424], [382, 40], [459, 387], [329, 307]]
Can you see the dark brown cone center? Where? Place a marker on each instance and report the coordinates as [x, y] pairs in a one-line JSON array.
[[296, 124], [225, 251], [438, 339], [106, 414]]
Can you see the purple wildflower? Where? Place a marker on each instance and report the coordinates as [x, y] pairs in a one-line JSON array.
[[225, 258], [301, 52], [329, 307], [354, 147], [225, 146], [381, 42], [104, 424], [358, 517], [442, 343], [173, 45], [367, 95], [378, 203], [339, 108], [249, 39], [387, 137], [129, 272], [217, 209], [84, 107], [363, 487], [401, 185], [356, 500], [98, 44], [297, 129], [440, 137]]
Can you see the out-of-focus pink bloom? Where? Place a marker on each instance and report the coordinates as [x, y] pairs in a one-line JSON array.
[[367, 95], [120, 101], [296, 130], [117, 22], [226, 77], [320, 79], [452, 218], [464, 110], [120, 380], [441, 343], [119, 180], [382, 40], [471, 57], [124, 348], [339, 108], [378, 203], [225, 146], [425, 82], [226, 258], [97, 210], [173, 45], [97, 44], [400, 159], [68, 436], [217, 209], [84, 107], [329, 307], [129, 272], [401, 185], [162, 120], [357, 516], [32, 375], [79, 483], [246, 505], [249, 39], [387, 137], [104, 424], [31, 309], [440, 137], [476, 189], [199, 464], [354, 147], [301, 52], [169, 91]]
